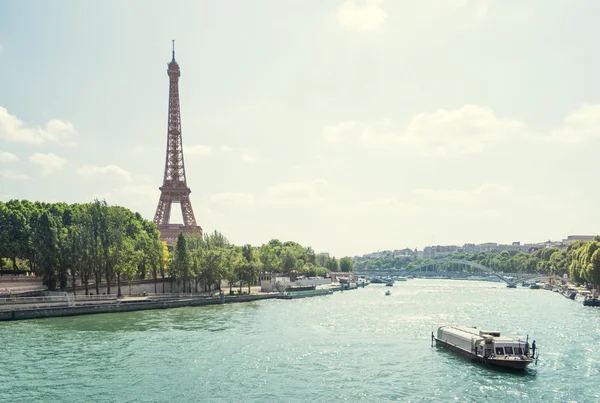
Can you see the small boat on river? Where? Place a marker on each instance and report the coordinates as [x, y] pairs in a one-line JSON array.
[[591, 302], [485, 346]]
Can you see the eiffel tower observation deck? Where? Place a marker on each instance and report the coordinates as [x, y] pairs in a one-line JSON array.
[[174, 188]]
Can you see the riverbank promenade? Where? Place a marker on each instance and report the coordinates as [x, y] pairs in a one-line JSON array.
[[20, 308]]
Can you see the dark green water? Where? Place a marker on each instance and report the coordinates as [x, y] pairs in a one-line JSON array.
[[353, 346]]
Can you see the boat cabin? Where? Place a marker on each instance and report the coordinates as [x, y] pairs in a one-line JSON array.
[[484, 343]]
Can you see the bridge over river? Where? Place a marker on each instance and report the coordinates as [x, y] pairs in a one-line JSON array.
[[454, 268]]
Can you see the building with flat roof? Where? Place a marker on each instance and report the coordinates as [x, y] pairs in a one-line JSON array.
[[574, 238]]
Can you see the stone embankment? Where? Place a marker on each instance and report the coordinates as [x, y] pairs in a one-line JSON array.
[[19, 309]]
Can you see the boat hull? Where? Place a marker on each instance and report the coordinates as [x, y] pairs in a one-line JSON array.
[[591, 302], [513, 364], [305, 294]]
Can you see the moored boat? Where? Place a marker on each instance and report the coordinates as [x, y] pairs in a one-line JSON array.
[[583, 295], [304, 291], [591, 302], [486, 346]]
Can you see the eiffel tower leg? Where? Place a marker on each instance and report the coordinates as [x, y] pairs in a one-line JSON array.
[[163, 211], [186, 211]]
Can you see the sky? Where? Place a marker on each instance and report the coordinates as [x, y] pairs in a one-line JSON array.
[[351, 126]]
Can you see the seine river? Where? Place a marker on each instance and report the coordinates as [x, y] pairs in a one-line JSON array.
[[352, 346]]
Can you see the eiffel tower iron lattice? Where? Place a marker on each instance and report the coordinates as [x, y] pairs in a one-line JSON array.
[[174, 188]]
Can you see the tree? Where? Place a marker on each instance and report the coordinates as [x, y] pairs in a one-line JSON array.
[[165, 261], [233, 263], [333, 265], [289, 260], [45, 245], [250, 273], [126, 263], [269, 258], [212, 265], [322, 260], [311, 256], [346, 264], [250, 268], [181, 261]]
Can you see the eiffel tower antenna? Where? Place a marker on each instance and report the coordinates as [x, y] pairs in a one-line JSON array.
[[174, 188]]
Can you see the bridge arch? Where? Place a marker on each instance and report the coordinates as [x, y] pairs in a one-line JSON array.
[[460, 262]]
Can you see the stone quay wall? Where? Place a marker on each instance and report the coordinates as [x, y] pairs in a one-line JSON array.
[[125, 306]]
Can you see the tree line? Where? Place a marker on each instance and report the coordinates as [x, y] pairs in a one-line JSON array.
[[95, 244], [580, 261], [203, 261]]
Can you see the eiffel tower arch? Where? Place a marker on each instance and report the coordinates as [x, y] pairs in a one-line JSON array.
[[174, 188]]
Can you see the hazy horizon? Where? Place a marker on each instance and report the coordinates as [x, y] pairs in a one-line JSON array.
[[348, 126]]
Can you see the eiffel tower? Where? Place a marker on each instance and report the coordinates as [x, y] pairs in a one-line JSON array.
[[174, 188]]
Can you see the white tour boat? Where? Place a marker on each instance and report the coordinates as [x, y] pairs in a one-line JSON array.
[[486, 346]]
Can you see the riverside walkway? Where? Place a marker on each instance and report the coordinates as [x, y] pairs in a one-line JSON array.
[[69, 305]]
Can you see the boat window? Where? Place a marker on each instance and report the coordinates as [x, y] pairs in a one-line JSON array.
[[508, 350], [518, 351], [499, 351]]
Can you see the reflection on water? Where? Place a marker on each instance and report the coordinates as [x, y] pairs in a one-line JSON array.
[[358, 345]]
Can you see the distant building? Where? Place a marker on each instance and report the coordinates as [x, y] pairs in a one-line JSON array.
[[431, 252], [574, 238]]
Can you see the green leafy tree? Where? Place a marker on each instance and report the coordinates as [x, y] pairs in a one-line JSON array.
[[45, 245], [269, 258], [333, 265], [346, 264], [233, 264], [181, 261]]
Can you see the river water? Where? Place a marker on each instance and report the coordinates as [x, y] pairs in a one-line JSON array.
[[354, 346]]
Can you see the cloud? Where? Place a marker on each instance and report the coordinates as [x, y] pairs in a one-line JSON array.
[[386, 205], [295, 193], [320, 183], [366, 15], [12, 175], [8, 157], [467, 130], [249, 157], [339, 132], [470, 129], [197, 149], [14, 130], [485, 192], [225, 148], [478, 8], [579, 126], [488, 199], [233, 198], [108, 170], [49, 163]]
